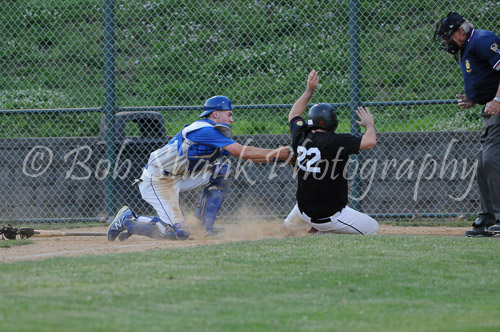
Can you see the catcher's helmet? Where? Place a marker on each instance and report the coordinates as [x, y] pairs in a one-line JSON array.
[[445, 28], [323, 116], [216, 103]]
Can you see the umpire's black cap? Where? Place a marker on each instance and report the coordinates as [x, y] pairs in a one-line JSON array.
[[448, 25]]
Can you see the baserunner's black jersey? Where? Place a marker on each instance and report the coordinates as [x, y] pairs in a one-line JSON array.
[[321, 163]]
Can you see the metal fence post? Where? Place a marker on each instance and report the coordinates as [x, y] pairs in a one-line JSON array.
[[355, 91], [110, 102]]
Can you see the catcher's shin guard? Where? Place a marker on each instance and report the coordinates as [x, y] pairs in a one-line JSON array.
[[213, 196], [151, 229], [141, 228]]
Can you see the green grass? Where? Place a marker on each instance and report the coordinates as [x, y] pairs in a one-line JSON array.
[[317, 283], [428, 223], [17, 242]]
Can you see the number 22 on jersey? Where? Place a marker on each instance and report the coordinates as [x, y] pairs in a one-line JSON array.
[[303, 152]]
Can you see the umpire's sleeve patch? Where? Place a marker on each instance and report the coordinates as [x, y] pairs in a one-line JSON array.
[[299, 122], [494, 48]]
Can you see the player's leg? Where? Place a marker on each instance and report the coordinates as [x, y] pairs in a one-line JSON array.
[[349, 221], [125, 224], [163, 195], [155, 228], [213, 196], [295, 222], [491, 166], [486, 216]]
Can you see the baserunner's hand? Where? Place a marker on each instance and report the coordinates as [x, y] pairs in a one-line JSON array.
[[365, 117]]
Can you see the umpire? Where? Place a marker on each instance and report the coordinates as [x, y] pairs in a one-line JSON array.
[[480, 64]]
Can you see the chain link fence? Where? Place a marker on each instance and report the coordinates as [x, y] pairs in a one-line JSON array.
[[67, 65]]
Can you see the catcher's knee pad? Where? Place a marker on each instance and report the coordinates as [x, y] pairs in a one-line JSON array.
[[219, 181], [221, 176], [213, 195]]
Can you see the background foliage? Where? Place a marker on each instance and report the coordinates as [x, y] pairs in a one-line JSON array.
[[255, 52]]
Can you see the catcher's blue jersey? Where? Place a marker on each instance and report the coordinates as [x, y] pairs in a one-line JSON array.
[[206, 143]]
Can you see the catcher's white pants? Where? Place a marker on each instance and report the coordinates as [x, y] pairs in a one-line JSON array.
[[347, 221], [163, 193]]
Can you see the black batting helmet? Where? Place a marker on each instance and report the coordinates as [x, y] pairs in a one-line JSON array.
[[323, 116], [445, 28]]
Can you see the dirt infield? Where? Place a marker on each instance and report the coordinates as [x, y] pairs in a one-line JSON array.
[[57, 246]]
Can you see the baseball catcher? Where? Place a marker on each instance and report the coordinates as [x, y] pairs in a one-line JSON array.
[[188, 161]]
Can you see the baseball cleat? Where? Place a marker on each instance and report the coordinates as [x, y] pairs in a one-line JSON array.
[[495, 228], [181, 231], [214, 231], [116, 227], [177, 231], [478, 231]]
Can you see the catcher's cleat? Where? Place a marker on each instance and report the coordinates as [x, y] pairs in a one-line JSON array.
[[116, 227], [124, 235], [180, 231], [214, 231]]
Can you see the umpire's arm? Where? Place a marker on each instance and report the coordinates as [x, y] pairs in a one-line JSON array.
[[369, 139]]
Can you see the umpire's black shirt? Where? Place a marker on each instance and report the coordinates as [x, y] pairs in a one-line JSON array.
[[321, 162]]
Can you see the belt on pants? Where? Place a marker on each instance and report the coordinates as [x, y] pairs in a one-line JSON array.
[[318, 220], [321, 220]]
